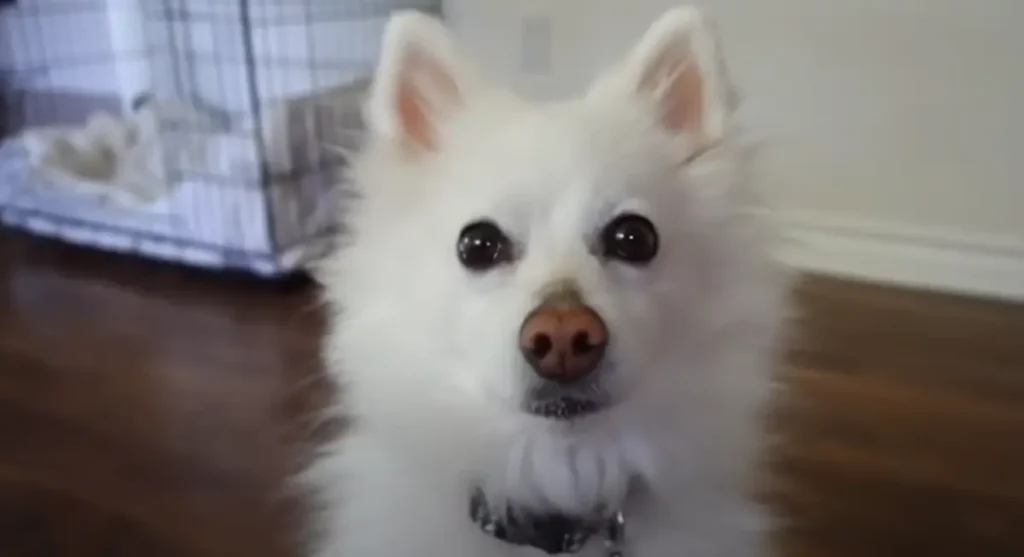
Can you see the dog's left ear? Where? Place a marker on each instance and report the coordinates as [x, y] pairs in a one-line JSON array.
[[420, 82], [677, 67]]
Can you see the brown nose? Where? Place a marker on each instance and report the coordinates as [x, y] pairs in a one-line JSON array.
[[563, 343]]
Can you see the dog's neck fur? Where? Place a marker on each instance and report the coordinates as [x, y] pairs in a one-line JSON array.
[[560, 492]]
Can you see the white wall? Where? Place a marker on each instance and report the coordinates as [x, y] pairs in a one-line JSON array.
[[894, 143]]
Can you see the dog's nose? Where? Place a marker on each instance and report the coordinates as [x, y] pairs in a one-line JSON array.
[[563, 343]]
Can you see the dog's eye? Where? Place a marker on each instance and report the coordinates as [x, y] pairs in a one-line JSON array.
[[630, 238], [482, 245]]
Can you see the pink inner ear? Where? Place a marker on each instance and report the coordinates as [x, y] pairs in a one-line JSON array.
[[416, 126], [676, 79], [423, 89]]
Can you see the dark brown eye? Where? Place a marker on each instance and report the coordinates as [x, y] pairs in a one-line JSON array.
[[482, 245], [631, 239]]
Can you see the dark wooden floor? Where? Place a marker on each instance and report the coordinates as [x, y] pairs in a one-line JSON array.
[[150, 411]]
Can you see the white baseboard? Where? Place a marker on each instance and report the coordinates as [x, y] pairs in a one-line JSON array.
[[936, 259]]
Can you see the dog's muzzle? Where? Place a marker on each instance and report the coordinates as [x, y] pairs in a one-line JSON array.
[[564, 341]]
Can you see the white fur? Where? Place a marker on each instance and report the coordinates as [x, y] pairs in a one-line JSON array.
[[426, 353]]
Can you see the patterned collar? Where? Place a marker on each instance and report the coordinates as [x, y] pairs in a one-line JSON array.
[[553, 534]]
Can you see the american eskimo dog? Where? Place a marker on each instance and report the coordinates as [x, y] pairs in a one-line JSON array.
[[553, 323]]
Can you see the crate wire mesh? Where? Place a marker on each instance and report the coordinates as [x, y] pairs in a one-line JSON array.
[[208, 132]]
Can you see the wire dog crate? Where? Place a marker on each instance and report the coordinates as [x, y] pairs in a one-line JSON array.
[[207, 132]]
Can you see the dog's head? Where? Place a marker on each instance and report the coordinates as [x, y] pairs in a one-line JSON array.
[[542, 260]]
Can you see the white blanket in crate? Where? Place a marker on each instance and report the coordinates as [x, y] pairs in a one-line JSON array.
[[215, 211]]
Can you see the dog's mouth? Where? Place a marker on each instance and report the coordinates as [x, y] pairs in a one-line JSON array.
[[564, 408], [559, 402]]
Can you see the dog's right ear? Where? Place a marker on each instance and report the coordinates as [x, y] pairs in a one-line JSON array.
[[420, 81]]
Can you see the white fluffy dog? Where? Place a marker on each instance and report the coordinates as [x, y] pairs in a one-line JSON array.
[[553, 323]]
